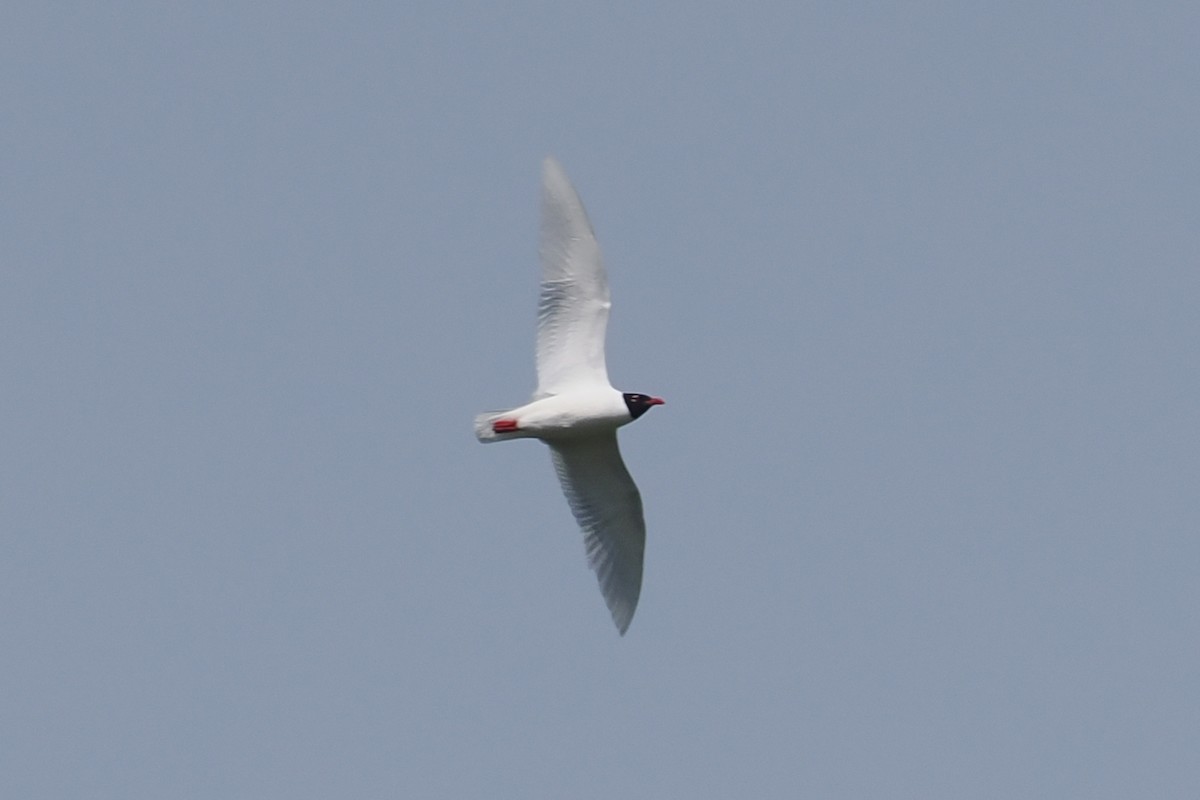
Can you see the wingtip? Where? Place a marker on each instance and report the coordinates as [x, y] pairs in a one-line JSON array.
[[552, 170], [622, 615]]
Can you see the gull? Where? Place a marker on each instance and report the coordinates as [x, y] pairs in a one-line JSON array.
[[575, 410]]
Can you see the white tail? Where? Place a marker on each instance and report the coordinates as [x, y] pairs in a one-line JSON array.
[[485, 433]]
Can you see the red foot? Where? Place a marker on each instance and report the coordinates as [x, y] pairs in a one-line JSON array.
[[504, 426]]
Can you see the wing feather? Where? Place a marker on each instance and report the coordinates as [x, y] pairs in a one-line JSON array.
[[574, 302], [608, 507]]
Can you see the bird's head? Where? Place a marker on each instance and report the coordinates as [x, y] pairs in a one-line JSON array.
[[639, 404]]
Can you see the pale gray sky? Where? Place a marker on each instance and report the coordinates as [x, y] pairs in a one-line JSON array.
[[920, 287]]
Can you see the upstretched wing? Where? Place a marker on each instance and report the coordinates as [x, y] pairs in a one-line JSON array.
[[608, 508], [574, 302]]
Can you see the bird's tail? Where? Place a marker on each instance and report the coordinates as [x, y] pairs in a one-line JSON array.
[[486, 429]]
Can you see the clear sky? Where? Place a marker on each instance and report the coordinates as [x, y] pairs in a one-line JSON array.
[[919, 283]]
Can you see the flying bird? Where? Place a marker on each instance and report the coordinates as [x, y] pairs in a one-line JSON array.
[[575, 410]]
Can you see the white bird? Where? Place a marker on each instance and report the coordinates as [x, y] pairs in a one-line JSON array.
[[575, 409]]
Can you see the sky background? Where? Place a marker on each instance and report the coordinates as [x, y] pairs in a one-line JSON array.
[[919, 282]]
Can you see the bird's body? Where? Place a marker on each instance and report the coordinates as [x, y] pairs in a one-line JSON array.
[[559, 416], [575, 409]]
